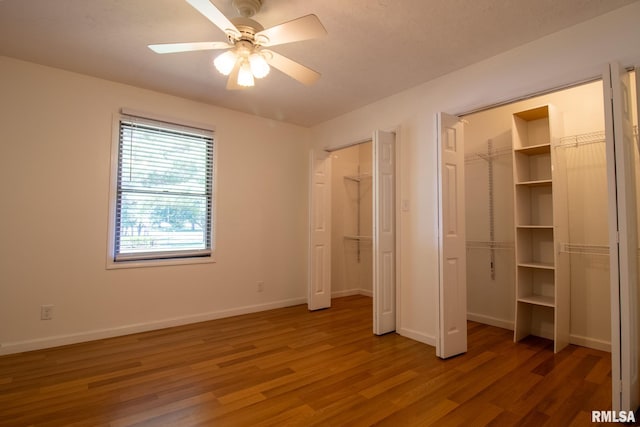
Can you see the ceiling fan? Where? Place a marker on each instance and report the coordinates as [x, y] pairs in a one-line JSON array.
[[246, 56]]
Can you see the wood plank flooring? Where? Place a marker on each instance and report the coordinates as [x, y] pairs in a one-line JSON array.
[[293, 367]]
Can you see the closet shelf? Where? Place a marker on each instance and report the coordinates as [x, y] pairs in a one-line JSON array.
[[359, 238], [534, 149], [536, 183], [572, 248], [535, 264], [538, 300], [587, 138], [358, 178], [582, 139], [498, 152], [535, 226]]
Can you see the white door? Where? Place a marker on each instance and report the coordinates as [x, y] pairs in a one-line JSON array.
[[384, 237], [623, 238], [319, 286], [452, 289]]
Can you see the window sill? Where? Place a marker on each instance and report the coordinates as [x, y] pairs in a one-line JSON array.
[[113, 265]]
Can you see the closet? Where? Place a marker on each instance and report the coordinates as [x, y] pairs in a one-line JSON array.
[[536, 215], [351, 221]]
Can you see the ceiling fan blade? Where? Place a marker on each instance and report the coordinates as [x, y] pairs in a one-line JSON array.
[[291, 68], [188, 47], [212, 13], [304, 28]]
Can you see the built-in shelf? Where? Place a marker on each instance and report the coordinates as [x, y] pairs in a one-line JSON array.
[[538, 300], [360, 238], [542, 283], [534, 149], [536, 183], [541, 265]]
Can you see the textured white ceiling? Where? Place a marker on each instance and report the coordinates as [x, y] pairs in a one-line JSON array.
[[375, 48]]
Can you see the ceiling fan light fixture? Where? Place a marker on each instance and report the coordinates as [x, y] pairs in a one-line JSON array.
[[258, 64], [245, 76], [245, 59], [225, 62]]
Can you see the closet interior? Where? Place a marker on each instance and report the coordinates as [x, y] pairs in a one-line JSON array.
[[351, 221], [537, 218]]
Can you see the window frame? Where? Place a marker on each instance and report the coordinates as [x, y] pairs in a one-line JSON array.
[[162, 259]]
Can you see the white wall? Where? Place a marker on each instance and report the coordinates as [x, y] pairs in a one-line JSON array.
[[571, 55], [55, 139]]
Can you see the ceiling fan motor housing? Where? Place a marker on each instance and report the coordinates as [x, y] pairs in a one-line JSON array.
[[247, 28], [247, 8]]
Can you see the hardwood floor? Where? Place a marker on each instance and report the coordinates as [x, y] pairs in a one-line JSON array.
[[293, 367]]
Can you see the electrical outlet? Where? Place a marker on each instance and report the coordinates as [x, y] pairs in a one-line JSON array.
[[260, 286], [46, 312]]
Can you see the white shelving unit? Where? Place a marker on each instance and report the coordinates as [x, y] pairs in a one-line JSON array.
[[358, 237], [542, 273]]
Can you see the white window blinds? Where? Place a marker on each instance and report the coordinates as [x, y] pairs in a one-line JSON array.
[[164, 192]]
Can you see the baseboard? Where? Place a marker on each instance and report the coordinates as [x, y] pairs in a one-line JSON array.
[[350, 292], [59, 340], [590, 343], [492, 321], [346, 293], [417, 336]]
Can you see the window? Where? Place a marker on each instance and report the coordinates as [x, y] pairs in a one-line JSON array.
[[163, 196]]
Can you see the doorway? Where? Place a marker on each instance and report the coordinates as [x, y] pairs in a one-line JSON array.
[[352, 221], [550, 180], [581, 239], [353, 185]]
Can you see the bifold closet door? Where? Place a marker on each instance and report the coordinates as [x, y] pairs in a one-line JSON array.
[[319, 286], [452, 289], [623, 235], [384, 233]]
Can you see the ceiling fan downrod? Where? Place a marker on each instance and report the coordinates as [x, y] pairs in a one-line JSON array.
[[247, 8]]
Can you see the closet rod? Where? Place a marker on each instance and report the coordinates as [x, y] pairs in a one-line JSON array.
[[350, 144]]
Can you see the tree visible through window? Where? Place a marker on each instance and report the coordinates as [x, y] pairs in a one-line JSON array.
[[164, 192]]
